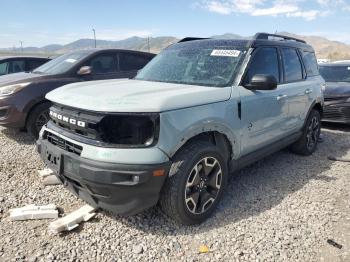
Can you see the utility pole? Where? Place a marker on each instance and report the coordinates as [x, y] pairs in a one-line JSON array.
[[94, 35], [148, 44], [21, 46]]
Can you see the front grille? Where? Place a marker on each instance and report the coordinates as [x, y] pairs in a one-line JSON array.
[[337, 112], [62, 143]]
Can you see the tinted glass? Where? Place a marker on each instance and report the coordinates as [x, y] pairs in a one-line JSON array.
[[129, 62], [33, 64], [62, 64], [264, 62], [103, 64], [335, 73], [4, 68], [310, 63], [292, 66], [205, 65], [17, 66]]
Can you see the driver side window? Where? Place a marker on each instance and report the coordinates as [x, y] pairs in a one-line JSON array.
[[103, 64], [264, 62]]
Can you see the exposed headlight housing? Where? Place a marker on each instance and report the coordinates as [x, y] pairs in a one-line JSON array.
[[11, 89], [132, 130]]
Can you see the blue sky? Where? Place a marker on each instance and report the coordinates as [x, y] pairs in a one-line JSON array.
[[42, 22]]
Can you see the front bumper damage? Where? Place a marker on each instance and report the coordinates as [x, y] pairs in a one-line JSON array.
[[124, 189]]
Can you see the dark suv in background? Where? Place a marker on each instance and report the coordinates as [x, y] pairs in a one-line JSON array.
[[337, 92], [22, 95], [16, 64]]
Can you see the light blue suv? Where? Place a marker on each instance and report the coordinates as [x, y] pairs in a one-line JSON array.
[[198, 111]]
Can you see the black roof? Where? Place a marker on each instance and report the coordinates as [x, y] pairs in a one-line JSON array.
[[260, 39]]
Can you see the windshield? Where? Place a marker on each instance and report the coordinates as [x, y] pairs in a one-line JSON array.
[[61, 64], [335, 73], [207, 66]]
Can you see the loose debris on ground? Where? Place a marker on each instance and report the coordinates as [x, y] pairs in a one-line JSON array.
[[283, 208]]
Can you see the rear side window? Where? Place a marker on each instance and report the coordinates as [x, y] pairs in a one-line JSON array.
[[17, 66], [310, 63], [264, 62], [4, 68], [103, 64], [293, 70], [128, 62]]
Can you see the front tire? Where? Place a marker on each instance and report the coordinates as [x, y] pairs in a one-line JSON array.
[[307, 143], [196, 181], [37, 118]]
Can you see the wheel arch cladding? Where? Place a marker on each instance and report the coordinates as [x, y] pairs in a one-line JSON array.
[[214, 122]]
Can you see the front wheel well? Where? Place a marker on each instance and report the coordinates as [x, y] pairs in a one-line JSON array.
[[214, 137], [319, 108], [33, 107]]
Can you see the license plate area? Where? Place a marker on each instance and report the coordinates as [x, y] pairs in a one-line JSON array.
[[53, 160]]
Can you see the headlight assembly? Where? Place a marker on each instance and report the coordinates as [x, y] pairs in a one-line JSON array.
[[11, 89]]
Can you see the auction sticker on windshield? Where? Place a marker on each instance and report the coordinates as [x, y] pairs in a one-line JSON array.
[[223, 52], [71, 60]]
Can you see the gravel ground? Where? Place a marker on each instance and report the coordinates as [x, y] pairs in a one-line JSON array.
[[283, 208]]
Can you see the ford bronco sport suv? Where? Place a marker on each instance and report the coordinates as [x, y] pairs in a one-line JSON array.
[[198, 111]]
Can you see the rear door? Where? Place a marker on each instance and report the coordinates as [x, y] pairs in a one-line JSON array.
[[296, 87], [130, 63], [263, 113]]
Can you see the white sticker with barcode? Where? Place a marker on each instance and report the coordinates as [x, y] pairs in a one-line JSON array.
[[70, 60], [223, 52]]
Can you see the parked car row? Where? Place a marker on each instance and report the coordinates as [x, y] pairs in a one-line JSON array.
[[196, 112]]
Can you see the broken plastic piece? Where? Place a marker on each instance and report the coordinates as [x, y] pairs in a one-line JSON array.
[[335, 244], [73, 219], [45, 172], [34, 212], [51, 180]]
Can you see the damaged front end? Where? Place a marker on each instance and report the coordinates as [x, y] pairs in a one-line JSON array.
[[107, 159], [106, 129]]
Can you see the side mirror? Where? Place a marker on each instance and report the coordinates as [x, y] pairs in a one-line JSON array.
[[262, 82], [85, 70]]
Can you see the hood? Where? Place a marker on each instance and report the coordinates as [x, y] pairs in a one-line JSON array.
[[337, 89], [19, 78], [135, 96]]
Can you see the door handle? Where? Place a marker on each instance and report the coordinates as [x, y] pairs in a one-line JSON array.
[[280, 97], [308, 91]]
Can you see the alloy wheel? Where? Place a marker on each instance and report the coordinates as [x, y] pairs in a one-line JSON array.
[[313, 132], [203, 185], [41, 120]]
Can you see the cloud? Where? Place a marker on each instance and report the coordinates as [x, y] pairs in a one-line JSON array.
[[287, 8]]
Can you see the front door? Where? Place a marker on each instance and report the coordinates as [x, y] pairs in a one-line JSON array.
[[263, 113]]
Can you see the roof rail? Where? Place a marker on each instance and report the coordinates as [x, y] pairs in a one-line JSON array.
[[265, 36], [187, 39]]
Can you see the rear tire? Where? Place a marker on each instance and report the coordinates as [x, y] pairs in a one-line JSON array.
[[307, 143], [197, 179], [37, 118]]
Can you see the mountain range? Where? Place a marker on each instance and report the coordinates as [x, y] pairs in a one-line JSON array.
[[325, 48]]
